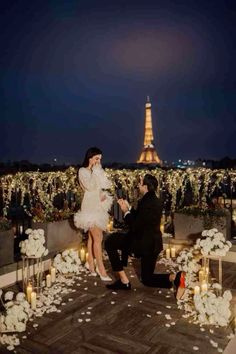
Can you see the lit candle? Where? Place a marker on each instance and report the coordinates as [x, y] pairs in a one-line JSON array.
[[196, 290], [82, 255], [111, 225], [172, 251], [206, 273], [162, 229], [48, 280], [87, 256], [201, 275], [167, 253], [21, 229], [28, 292], [204, 287], [33, 300], [53, 274]]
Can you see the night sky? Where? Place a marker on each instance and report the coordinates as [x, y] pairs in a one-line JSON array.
[[75, 74]]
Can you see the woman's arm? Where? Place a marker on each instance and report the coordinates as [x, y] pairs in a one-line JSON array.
[[88, 180]]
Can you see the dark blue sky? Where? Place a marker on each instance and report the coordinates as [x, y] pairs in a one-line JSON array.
[[76, 74]]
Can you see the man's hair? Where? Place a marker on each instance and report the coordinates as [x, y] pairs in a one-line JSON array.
[[151, 182]]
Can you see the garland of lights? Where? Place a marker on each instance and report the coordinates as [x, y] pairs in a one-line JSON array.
[[42, 187]]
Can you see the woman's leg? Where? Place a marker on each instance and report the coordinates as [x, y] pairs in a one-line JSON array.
[[96, 235], [90, 252]]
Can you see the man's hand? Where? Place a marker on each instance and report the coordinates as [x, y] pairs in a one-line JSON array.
[[124, 205]]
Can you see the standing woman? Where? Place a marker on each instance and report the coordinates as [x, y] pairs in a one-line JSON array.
[[93, 215]]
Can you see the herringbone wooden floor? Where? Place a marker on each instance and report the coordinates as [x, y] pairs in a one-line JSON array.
[[126, 322]]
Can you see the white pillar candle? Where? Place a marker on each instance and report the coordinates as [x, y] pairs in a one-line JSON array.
[[48, 280], [204, 287], [53, 274], [33, 300], [201, 275], [167, 253], [28, 292], [196, 290], [82, 254], [172, 252], [21, 229]]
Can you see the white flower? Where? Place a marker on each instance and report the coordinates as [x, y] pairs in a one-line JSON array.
[[20, 297], [227, 295], [28, 231], [9, 296]]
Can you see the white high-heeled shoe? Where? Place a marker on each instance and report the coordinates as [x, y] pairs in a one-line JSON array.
[[103, 278], [92, 273]]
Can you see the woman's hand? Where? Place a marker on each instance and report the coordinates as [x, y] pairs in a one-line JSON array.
[[103, 197]]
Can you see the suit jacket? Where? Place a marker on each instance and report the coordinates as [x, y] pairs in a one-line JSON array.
[[144, 235]]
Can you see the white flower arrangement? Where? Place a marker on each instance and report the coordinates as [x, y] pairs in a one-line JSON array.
[[34, 245], [213, 243], [67, 262], [212, 309], [17, 313], [206, 307]]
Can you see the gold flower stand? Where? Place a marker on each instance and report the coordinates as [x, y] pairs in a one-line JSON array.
[[206, 264], [32, 273]]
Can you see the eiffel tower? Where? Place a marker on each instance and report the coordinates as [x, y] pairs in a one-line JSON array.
[[148, 154]]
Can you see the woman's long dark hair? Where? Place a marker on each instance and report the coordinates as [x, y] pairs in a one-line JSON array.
[[90, 153]]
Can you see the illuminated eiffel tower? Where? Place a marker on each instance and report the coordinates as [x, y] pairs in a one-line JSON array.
[[148, 154]]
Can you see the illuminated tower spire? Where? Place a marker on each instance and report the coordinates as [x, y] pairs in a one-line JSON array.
[[148, 154]]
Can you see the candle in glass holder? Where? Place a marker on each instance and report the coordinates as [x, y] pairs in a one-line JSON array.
[[196, 290], [82, 255], [167, 253], [206, 273], [201, 275], [204, 286], [172, 252], [53, 274], [33, 300], [28, 292], [48, 280]]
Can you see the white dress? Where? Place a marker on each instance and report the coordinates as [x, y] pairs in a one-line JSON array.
[[94, 210]]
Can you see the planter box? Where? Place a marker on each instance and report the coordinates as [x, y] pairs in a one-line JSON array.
[[59, 235], [189, 227], [6, 247]]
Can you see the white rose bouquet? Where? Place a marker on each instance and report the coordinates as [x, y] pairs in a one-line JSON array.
[[67, 262], [17, 313], [212, 309], [213, 243], [34, 245]]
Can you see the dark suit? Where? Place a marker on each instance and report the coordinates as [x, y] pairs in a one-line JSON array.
[[143, 239]]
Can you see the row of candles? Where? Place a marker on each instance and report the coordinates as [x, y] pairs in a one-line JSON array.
[[32, 295], [170, 252]]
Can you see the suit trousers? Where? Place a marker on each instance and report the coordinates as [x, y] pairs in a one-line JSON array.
[[147, 263]]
